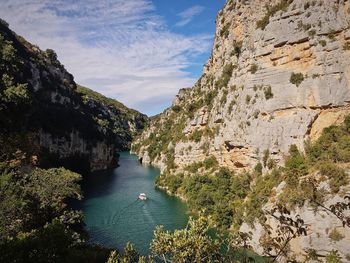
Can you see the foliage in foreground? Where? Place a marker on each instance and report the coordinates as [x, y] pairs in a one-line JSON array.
[[192, 244], [196, 243], [36, 225]]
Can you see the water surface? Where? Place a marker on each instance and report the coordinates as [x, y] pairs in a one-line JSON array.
[[114, 215]]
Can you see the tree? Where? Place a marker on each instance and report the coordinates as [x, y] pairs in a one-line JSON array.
[[192, 244], [48, 244], [30, 200], [130, 255], [51, 54]]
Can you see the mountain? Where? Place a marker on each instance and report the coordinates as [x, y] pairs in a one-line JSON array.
[[267, 85], [51, 120], [255, 122], [49, 124]]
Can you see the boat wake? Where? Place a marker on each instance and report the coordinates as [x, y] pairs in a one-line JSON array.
[[118, 215]]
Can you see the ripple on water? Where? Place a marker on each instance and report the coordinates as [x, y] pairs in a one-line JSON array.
[[114, 215]]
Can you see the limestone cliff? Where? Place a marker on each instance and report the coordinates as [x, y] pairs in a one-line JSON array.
[[278, 75], [275, 78], [59, 123]]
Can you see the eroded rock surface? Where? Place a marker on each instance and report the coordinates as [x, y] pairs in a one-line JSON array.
[[247, 98]]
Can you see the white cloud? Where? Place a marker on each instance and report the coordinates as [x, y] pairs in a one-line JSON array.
[[120, 48], [187, 15]]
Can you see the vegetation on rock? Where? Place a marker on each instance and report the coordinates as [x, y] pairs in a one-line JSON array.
[[40, 99], [297, 78], [282, 5], [231, 199]]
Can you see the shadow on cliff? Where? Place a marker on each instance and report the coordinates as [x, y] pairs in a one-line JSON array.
[[76, 163], [102, 182]]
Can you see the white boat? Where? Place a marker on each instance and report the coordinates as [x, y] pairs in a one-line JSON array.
[[142, 196]]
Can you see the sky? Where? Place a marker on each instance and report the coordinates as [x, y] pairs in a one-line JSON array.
[[140, 52]]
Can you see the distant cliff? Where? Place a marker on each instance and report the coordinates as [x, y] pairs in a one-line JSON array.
[[46, 117]]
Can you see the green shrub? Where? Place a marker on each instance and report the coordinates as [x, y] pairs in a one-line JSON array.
[[256, 114], [306, 27], [174, 182], [266, 157], [335, 235], [312, 33], [296, 78], [29, 201], [271, 164], [292, 196], [333, 257], [332, 36], [194, 167], [258, 168], [311, 254], [192, 107], [192, 244], [176, 108], [253, 68], [323, 42], [296, 163], [210, 162], [3, 22], [17, 94], [333, 144], [196, 135], [259, 194], [209, 97], [224, 97], [262, 23], [347, 123], [346, 46], [237, 48], [225, 77], [51, 54], [268, 92], [335, 174], [225, 31], [230, 106], [271, 11]]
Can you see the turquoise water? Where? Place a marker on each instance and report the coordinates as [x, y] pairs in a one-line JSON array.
[[114, 215]]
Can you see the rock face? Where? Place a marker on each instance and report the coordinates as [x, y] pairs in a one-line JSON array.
[[325, 231], [277, 77], [69, 125], [267, 85]]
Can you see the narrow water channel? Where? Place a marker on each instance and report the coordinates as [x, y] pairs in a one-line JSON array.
[[113, 213]]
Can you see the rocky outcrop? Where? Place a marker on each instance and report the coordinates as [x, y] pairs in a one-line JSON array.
[[69, 125], [76, 153], [275, 78], [325, 231]]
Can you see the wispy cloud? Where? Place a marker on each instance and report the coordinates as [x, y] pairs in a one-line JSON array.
[[187, 15], [121, 48]]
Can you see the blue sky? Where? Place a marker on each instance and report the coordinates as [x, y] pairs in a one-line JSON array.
[[140, 52], [190, 18]]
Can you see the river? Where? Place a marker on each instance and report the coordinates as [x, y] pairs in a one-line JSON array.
[[114, 215]]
